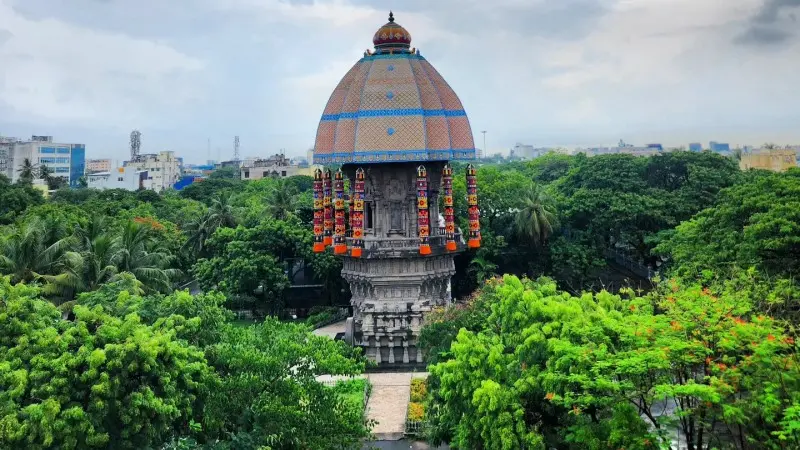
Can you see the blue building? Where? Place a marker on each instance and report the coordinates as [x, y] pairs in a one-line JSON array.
[[64, 160], [695, 147], [719, 146]]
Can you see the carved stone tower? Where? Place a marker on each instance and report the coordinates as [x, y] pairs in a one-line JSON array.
[[391, 125]]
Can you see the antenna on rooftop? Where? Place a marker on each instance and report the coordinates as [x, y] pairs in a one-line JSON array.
[[136, 144], [236, 148]]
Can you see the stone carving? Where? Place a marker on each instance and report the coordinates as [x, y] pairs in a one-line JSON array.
[[393, 286]]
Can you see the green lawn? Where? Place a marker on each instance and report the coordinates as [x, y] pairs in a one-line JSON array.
[[352, 391]]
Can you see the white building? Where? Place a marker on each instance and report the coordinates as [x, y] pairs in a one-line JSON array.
[[98, 165], [64, 160], [128, 178], [163, 170], [276, 166]]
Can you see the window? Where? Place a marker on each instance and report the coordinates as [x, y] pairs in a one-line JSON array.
[[283, 173], [63, 150], [120, 179], [62, 169], [43, 150], [247, 174]]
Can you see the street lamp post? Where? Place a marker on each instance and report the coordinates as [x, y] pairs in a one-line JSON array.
[[484, 143]]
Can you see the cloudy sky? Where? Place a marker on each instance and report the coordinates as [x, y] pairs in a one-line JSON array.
[[544, 72]]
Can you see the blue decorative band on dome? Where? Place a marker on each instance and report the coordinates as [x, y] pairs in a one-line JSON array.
[[391, 56], [382, 156], [394, 113]]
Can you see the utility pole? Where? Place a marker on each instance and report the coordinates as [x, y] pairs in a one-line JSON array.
[[485, 154]]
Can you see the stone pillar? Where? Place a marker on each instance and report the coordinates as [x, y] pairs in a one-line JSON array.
[[405, 351]]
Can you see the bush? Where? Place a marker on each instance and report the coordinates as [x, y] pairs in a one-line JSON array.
[[419, 390], [416, 412]]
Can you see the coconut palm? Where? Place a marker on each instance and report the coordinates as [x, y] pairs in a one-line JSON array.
[[38, 247], [136, 251], [282, 200], [221, 213], [537, 217], [27, 171]]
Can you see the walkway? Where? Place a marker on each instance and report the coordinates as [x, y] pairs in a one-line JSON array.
[[388, 403], [330, 330]]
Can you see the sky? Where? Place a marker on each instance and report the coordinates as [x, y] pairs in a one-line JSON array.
[[541, 72]]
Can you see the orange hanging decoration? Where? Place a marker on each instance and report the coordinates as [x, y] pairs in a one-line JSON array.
[[357, 218], [472, 208], [423, 219], [319, 246], [339, 245], [327, 204], [449, 215]]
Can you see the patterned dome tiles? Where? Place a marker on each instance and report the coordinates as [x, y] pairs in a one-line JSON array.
[[401, 92]]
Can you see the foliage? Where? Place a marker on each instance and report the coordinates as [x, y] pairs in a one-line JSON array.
[[419, 390], [14, 199], [416, 411], [270, 393], [546, 369], [99, 381], [754, 223]]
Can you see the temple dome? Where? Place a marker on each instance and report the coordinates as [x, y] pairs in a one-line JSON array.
[[391, 35], [393, 106]]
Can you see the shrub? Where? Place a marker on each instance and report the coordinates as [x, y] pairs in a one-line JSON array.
[[419, 390], [416, 412]]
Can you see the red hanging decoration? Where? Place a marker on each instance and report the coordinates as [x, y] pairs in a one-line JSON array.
[[449, 215], [357, 218], [423, 219], [472, 208], [319, 246], [327, 204], [339, 245]]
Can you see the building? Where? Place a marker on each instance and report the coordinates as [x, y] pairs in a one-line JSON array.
[[64, 160], [776, 160], [128, 178], [98, 165], [393, 123], [719, 147], [695, 147], [163, 169], [276, 166]]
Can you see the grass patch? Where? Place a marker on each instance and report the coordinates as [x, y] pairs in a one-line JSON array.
[[353, 392]]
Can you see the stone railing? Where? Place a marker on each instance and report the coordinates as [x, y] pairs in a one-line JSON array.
[[399, 247]]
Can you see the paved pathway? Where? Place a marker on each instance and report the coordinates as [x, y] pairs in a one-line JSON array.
[[330, 330], [388, 403]]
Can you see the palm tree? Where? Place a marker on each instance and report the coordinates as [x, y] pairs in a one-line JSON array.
[[537, 216], [221, 213], [36, 248], [282, 200], [137, 252], [482, 268], [27, 172]]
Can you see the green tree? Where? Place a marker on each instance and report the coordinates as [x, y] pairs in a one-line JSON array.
[[546, 369], [537, 217], [27, 171], [282, 199], [136, 385], [37, 247], [270, 395]]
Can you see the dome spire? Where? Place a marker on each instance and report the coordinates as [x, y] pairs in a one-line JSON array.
[[392, 38]]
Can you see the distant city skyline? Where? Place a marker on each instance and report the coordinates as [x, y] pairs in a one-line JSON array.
[[569, 74]]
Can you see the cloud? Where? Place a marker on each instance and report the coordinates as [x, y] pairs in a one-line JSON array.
[[56, 71], [769, 26]]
